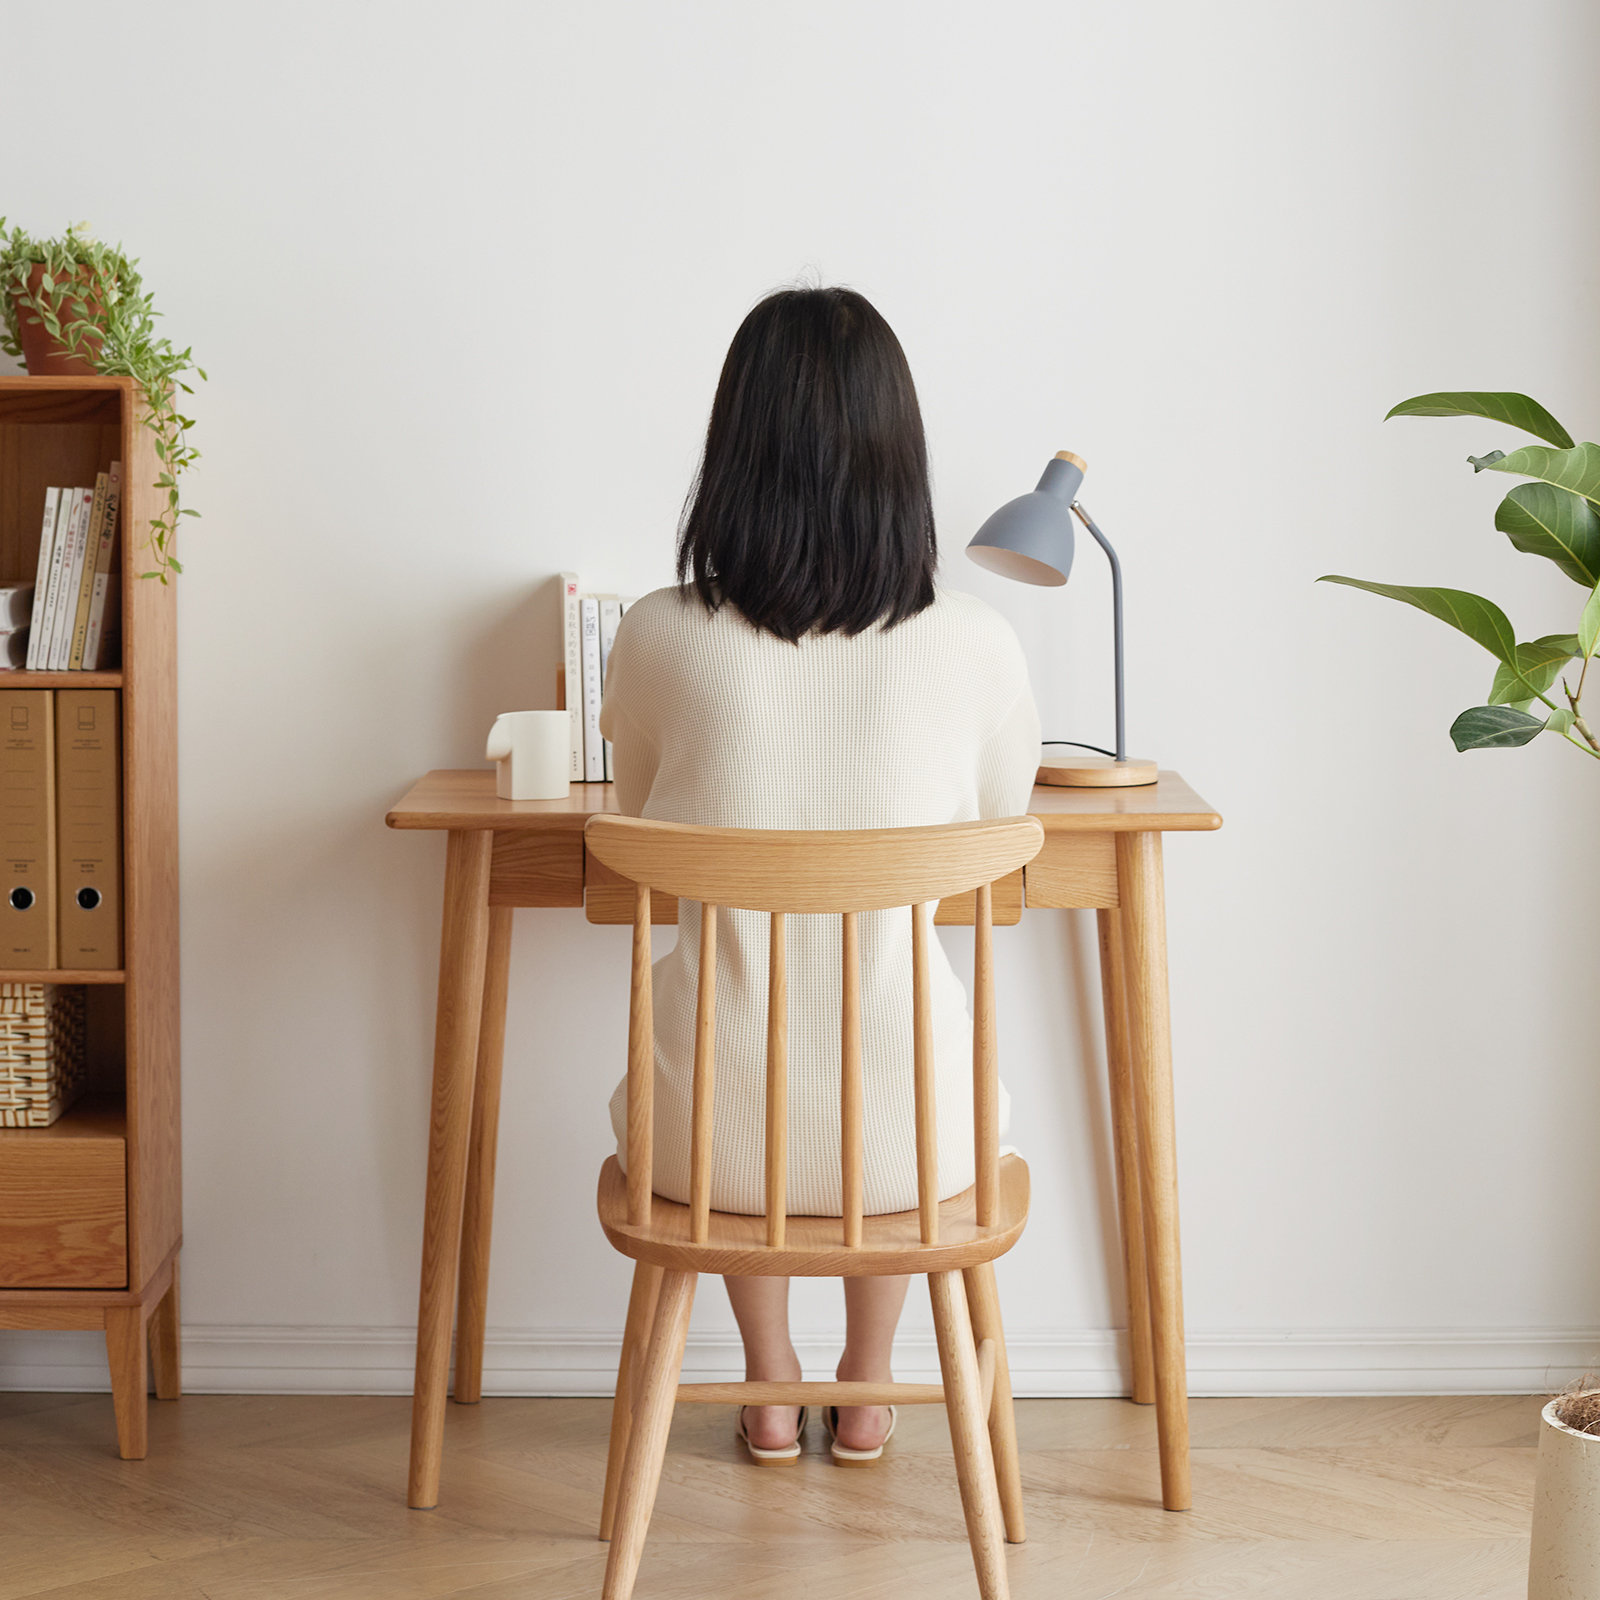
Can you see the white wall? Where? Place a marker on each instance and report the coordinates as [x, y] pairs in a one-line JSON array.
[[463, 278]]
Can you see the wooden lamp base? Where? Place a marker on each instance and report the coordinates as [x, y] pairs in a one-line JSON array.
[[1094, 772]]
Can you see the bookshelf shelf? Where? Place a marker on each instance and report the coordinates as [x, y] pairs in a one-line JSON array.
[[20, 678], [94, 1117], [91, 1208], [59, 975]]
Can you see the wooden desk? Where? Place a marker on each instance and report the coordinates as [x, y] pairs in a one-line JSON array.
[[1102, 849]]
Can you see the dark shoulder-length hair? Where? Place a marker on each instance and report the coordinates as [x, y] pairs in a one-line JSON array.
[[811, 511]]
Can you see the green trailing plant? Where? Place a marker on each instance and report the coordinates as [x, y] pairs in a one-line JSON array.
[[1556, 515], [93, 302]]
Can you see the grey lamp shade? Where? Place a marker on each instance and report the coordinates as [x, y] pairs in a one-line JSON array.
[[1030, 538]]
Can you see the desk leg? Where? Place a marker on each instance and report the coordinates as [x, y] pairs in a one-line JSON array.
[[463, 947], [1144, 931], [472, 1306], [1125, 1147]]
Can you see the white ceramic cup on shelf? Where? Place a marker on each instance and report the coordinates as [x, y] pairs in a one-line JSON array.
[[532, 754]]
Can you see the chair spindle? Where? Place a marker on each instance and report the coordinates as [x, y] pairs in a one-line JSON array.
[[922, 1075], [705, 1059], [850, 1091], [777, 1088], [985, 1070], [641, 1066]]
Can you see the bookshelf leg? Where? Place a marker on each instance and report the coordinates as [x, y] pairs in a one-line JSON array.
[[463, 951], [473, 1303], [128, 1353], [164, 1342]]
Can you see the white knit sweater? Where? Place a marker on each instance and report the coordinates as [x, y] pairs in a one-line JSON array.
[[717, 723]]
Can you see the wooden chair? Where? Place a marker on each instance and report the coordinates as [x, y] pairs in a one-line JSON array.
[[955, 1243]]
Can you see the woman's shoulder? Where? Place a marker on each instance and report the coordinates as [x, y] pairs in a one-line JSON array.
[[965, 615]]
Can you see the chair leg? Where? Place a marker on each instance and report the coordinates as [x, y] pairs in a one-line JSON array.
[[128, 1351], [983, 1300], [969, 1435], [647, 1443], [164, 1346], [635, 1340]]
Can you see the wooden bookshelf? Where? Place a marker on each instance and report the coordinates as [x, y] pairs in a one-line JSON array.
[[90, 1209]]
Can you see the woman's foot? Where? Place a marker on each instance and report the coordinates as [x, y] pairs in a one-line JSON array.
[[861, 1427], [771, 1427]]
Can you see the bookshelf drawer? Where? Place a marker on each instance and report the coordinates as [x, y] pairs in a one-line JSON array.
[[64, 1202]]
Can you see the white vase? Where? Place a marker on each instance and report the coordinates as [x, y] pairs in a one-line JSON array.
[[1564, 1561]]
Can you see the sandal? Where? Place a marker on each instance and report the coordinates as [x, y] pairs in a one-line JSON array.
[[784, 1456], [843, 1456]]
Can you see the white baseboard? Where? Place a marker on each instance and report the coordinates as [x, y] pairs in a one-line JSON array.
[[291, 1360]]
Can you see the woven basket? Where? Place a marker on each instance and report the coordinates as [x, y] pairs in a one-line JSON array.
[[41, 1052]]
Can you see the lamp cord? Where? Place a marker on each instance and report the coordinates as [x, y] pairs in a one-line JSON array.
[[1077, 744]]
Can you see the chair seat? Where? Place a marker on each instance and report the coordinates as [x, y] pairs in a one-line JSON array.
[[814, 1246]]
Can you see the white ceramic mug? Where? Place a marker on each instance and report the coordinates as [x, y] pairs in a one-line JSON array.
[[533, 754]]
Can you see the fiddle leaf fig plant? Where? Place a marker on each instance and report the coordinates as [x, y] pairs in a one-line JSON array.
[[91, 300], [1557, 516]]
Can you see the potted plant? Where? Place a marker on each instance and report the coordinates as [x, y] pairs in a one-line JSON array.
[[76, 306], [1564, 1560], [1556, 515]]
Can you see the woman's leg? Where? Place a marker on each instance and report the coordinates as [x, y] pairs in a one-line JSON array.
[[872, 1311], [761, 1308]]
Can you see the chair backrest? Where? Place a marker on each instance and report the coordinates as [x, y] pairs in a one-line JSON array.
[[812, 872]]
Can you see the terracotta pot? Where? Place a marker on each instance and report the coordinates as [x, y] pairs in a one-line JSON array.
[[1564, 1559], [42, 353]]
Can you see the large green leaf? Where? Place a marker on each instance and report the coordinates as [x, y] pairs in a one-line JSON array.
[[1497, 406], [1539, 664], [1589, 626], [1556, 524], [1494, 728], [1481, 620], [1577, 469]]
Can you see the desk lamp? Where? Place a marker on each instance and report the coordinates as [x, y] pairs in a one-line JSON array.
[[1031, 539]]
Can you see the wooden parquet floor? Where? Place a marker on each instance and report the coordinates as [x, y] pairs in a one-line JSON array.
[[302, 1498]]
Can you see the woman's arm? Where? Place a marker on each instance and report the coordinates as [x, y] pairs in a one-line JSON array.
[[1010, 761]]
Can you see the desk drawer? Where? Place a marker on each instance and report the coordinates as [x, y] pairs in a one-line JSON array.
[[64, 1202], [1074, 869], [609, 898]]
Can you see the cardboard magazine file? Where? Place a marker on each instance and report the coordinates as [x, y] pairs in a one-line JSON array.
[[88, 829], [27, 830]]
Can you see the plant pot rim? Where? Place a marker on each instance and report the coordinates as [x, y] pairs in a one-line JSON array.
[[1550, 1419]]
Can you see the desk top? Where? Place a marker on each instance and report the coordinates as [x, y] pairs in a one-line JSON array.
[[465, 799]]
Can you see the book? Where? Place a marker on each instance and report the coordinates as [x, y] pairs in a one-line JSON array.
[[81, 588], [572, 655], [94, 634], [72, 579], [88, 831], [41, 584], [14, 648], [610, 616], [16, 607], [109, 651], [76, 504], [594, 755], [28, 829]]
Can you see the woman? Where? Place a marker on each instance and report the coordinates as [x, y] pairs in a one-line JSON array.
[[809, 674]]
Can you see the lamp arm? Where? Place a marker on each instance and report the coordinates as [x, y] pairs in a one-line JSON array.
[[1116, 616]]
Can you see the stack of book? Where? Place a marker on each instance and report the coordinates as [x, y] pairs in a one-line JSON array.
[[589, 624], [73, 618]]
